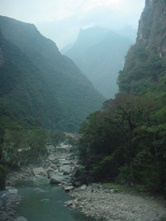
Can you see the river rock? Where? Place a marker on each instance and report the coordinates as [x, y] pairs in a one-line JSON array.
[[67, 179], [69, 203], [50, 172], [21, 218], [56, 179], [83, 187], [64, 162], [113, 190], [39, 171], [66, 169], [11, 189], [53, 158], [68, 188]]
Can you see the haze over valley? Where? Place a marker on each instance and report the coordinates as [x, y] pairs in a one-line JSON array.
[[82, 110]]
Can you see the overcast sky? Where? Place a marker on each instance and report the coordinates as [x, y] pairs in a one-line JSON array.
[[61, 20]]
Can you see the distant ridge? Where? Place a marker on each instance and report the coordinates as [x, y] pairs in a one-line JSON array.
[[100, 54], [38, 85]]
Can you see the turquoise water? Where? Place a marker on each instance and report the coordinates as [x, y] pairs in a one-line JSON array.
[[46, 203]]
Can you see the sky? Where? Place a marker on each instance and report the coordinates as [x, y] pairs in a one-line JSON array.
[[61, 20]]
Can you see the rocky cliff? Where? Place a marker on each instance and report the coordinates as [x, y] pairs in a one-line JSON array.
[[151, 32], [145, 65]]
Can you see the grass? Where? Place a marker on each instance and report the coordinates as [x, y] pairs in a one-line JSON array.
[[123, 188]]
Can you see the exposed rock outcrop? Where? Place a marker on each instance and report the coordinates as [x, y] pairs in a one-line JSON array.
[[151, 31]]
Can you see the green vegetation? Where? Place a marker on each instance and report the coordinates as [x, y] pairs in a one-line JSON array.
[[20, 147], [39, 87], [132, 189], [57, 137], [23, 146], [125, 142], [40, 91]]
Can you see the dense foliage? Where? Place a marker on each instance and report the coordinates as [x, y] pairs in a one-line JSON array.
[[126, 141], [23, 146], [38, 86], [20, 146], [40, 90]]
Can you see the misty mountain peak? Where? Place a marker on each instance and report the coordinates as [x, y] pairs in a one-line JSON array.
[[100, 53]]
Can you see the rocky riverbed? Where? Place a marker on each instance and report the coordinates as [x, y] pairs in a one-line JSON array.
[[8, 199], [55, 169], [104, 204], [93, 200]]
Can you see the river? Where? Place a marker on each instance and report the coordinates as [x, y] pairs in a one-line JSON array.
[[46, 203]]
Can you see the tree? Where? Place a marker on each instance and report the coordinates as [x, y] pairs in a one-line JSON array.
[[125, 142]]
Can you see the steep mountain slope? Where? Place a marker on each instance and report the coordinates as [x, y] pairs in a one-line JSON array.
[[38, 83], [145, 66], [100, 53], [128, 142]]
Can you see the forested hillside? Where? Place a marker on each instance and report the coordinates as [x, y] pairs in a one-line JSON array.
[[42, 94], [100, 54], [126, 141], [39, 86]]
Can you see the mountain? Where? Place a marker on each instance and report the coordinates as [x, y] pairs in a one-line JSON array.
[[145, 67], [39, 85], [126, 142], [128, 32], [100, 54]]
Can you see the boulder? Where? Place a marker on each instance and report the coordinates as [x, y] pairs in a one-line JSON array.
[[69, 203], [64, 162], [11, 189], [67, 179], [39, 171], [56, 179], [83, 187], [68, 188], [66, 169], [53, 158], [113, 190], [54, 166], [49, 172]]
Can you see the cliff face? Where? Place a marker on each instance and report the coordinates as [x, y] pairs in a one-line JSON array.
[[152, 26], [145, 66]]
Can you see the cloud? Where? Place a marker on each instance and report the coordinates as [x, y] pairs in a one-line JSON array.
[[53, 10], [61, 20]]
